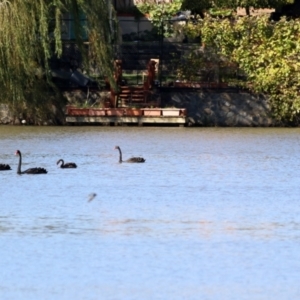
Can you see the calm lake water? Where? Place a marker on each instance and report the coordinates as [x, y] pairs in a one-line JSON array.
[[214, 213]]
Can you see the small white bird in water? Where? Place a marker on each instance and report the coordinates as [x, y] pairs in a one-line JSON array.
[[92, 196]]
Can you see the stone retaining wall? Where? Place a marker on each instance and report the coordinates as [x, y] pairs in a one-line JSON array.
[[229, 108], [73, 97], [5, 116], [92, 98]]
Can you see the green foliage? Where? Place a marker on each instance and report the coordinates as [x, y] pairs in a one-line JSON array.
[[30, 34], [160, 14], [199, 6], [234, 4], [217, 12], [267, 52], [188, 67]]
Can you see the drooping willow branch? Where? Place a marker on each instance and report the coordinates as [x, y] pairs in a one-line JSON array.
[[31, 33]]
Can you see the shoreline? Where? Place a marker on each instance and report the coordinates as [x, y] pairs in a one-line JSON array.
[[202, 108]]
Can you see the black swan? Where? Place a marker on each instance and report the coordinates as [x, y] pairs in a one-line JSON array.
[[130, 160], [31, 170], [4, 167], [66, 165]]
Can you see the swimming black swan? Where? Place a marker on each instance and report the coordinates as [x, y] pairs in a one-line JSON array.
[[130, 160], [4, 167], [66, 165], [31, 170]]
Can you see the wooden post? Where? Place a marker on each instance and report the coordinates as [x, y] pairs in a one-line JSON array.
[[151, 74], [118, 80]]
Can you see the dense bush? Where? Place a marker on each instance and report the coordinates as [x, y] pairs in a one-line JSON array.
[[268, 52]]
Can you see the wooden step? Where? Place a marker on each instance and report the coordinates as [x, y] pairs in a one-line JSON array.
[[137, 87], [125, 92], [137, 101], [137, 98], [138, 92], [124, 96], [137, 95]]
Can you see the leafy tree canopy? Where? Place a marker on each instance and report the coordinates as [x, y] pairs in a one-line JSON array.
[[200, 5]]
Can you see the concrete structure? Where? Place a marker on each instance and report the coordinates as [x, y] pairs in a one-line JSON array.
[[120, 121]]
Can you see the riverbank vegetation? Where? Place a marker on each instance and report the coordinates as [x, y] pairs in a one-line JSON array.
[[31, 34], [267, 52]]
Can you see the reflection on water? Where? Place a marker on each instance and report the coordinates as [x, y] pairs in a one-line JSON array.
[[151, 228], [213, 214]]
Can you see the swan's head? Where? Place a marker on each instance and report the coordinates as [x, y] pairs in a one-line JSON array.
[[18, 152], [117, 147]]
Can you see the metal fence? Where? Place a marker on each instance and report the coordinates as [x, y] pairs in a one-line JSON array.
[[179, 58]]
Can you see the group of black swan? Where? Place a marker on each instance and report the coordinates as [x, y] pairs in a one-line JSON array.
[[70, 165]]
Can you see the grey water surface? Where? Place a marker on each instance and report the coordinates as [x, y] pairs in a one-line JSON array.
[[213, 213]]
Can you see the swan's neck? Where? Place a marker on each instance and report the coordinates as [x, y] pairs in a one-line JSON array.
[[19, 165], [62, 162], [120, 158]]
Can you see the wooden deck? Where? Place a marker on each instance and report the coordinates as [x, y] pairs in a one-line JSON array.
[[126, 116], [119, 121]]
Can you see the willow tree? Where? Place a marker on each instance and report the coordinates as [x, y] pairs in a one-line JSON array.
[[31, 33]]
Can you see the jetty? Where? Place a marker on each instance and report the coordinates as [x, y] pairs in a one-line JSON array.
[[126, 116]]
